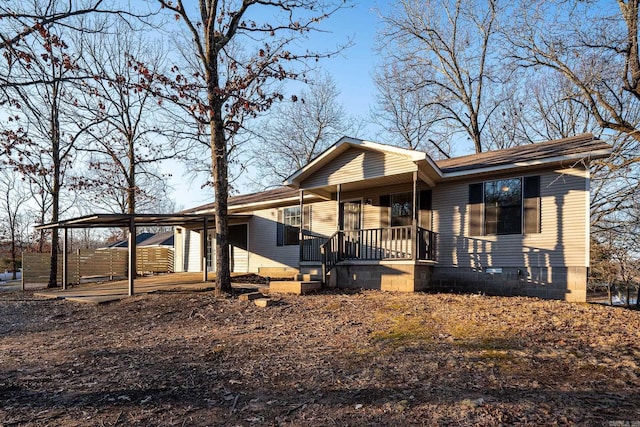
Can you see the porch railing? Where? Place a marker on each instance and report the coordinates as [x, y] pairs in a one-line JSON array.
[[392, 243], [310, 246]]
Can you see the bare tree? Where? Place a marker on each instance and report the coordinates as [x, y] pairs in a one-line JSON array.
[[236, 57], [443, 52], [593, 47], [539, 106], [129, 135], [13, 197], [41, 132], [294, 133], [403, 113]]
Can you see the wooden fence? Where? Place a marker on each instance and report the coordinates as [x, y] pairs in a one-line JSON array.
[[87, 264]]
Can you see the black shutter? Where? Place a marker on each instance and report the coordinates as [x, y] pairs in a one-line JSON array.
[[425, 200], [385, 201], [531, 202], [280, 230], [476, 209]]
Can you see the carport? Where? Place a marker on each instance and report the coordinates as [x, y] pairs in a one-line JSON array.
[[131, 222]]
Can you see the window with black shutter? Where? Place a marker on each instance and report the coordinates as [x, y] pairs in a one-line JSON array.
[[505, 206]]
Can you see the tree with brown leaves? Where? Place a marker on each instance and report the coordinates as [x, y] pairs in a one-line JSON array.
[[239, 49]]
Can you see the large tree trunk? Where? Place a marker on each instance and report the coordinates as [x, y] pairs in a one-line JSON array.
[[221, 190], [55, 186]]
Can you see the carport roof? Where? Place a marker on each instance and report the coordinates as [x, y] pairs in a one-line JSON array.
[[123, 220]]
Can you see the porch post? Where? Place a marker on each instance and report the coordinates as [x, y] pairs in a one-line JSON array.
[[132, 253], [414, 219], [340, 245], [203, 249], [338, 189], [65, 265], [300, 233]]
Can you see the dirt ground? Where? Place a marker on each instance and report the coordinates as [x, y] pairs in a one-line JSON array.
[[356, 358]]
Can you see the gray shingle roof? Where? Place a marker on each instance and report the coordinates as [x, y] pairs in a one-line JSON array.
[[576, 145]]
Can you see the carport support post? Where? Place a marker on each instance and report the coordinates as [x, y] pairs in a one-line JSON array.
[[132, 253], [204, 248], [65, 264]]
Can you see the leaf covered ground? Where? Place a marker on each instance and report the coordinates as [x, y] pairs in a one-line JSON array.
[[356, 358]]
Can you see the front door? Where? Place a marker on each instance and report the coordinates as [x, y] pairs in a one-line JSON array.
[[350, 221]]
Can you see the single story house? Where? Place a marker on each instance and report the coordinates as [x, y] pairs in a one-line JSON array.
[[364, 214]]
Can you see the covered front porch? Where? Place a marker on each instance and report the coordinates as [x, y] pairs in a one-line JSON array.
[[382, 222]]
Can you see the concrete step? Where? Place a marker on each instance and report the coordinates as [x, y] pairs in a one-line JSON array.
[[308, 277], [278, 272], [263, 302], [297, 287], [249, 296]]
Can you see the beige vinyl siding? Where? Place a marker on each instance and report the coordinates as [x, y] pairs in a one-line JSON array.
[[357, 164], [563, 240], [192, 249], [240, 260], [263, 250], [323, 217]]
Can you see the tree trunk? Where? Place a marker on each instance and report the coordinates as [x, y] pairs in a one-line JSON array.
[[131, 179], [13, 250], [221, 190], [55, 186]]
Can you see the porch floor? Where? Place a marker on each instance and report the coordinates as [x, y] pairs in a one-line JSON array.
[[98, 293]]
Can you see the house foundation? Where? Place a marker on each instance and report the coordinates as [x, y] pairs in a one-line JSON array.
[[395, 276], [562, 283]]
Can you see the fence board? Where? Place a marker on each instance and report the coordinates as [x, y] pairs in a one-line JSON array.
[[97, 263]]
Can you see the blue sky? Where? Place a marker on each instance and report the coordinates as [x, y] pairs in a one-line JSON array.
[[352, 71]]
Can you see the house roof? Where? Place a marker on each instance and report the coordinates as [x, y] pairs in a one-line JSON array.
[[560, 151], [260, 198], [125, 243], [147, 239], [567, 149], [159, 239]]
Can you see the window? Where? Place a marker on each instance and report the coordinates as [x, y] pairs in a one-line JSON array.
[[505, 206], [401, 209], [289, 225]]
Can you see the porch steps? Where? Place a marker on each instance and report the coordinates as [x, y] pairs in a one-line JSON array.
[[297, 287]]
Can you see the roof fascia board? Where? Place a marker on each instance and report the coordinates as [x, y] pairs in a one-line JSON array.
[[519, 165]]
